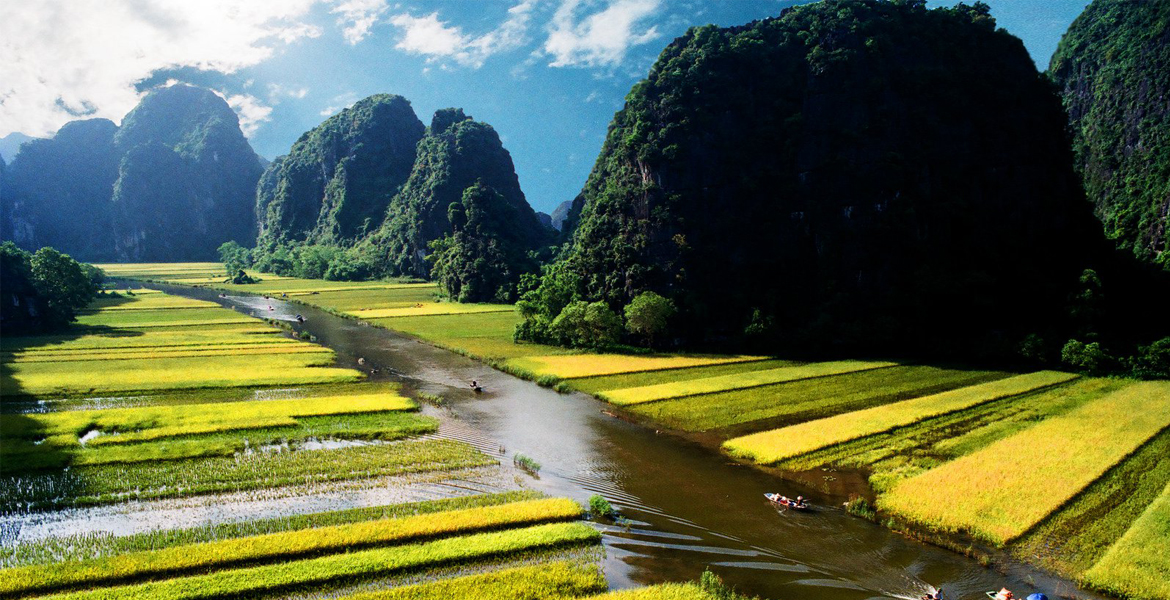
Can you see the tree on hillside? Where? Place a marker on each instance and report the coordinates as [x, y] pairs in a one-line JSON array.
[[647, 315]]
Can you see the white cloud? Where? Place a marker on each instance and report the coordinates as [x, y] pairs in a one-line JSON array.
[[276, 92], [358, 17], [67, 58], [251, 110], [592, 97], [601, 38], [338, 103], [431, 37]]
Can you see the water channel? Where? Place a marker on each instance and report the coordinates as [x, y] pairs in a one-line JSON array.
[[688, 507]]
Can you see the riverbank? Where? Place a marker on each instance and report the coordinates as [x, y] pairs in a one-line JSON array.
[[723, 398]]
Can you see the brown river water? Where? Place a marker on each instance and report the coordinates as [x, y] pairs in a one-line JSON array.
[[688, 507]]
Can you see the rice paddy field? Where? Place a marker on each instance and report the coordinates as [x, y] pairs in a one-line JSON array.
[[1065, 472], [152, 397]]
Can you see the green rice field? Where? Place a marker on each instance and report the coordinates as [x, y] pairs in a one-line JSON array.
[[1065, 472]]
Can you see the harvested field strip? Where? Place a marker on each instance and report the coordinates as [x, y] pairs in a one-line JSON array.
[[1074, 538], [243, 333], [663, 591], [773, 406], [163, 317], [560, 579], [1003, 490], [362, 427], [147, 302], [251, 349], [908, 451], [433, 308], [594, 385], [83, 547], [382, 286], [212, 556], [1138, 565], [68, 379], [772, 446], [154, 422], [569, 366], [722, 383], [105, 484], [399, 297], [354, 566]]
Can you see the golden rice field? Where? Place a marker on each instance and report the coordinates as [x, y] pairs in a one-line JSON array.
[[951, 449], [1138, 565], [1004, 489], [723, 383], [773, 446], [571, 366], [130, 343]]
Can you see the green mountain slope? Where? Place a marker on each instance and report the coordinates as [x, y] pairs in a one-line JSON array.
[[1113, 67], [854, 175]]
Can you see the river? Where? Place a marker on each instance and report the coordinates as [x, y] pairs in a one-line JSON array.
[[688, 507]]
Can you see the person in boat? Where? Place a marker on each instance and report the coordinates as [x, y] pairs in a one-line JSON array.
[[1004, 594], [935, 595], [300, 319], [799, 501]]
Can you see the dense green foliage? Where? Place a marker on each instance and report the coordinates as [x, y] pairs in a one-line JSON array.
[[43, 291], [456, 154], [367, 192], [173, 182], [334, 185], [854, 175], [483, 259], [1113, 66]]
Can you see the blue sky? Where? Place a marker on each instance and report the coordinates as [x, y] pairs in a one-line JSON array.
[[547, 74]]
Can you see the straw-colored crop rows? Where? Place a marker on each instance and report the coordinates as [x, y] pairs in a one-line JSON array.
[[280, 546], [1001, 491], [1138, 565], [778, 444], [352, 566], [723, 383]]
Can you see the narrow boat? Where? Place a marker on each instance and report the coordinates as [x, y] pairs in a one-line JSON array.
[[785, 501]]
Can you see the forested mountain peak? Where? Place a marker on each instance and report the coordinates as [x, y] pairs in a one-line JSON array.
[[1113, 67], [172, 183], [336, 182], [852, 174]]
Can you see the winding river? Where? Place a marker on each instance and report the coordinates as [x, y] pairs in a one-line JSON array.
[[688, 507]]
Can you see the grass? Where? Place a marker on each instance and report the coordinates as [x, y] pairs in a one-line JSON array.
[[163, 318], [778, 444], [569, 366], [145, 423], [485, 336], [23, 457], [723, 383], [353, 566], [104, 484], [601, 383], [769, 407], [1003, 490], [910, 450], [93, 546], [1138, 565], [274, 547], [153, 341], [432, 308], [87, 377], [559, 579], [1076, 537]]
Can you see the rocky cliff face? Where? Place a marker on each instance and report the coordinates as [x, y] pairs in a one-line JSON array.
[[1113, 67], [852, 174], [456, 153], [336, 183], [172, 183], [57, 191], [187, 178]]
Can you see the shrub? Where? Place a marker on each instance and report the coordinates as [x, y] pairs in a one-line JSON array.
[[600, 507], [647, 315], [1084, 357]]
